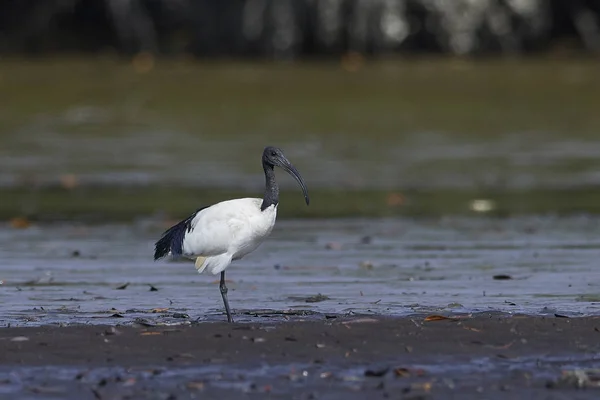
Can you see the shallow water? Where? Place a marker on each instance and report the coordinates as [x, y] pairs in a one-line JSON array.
[[69, 273]]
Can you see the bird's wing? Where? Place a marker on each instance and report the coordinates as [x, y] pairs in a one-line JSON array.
[[215, 229]]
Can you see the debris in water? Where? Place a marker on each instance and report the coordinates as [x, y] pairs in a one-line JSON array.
[[438, 318], [502, 277], [160, 310], [395, 199], [180, 315], [129, 382], [379, 372], [316, 299], [359, 321], [111, 331], [425, 386], [122, 287], [579, 378], [406, 372], [153, 289], [333, 246], [20, 223], [46, 390], [561, 316], [366, 265], [117, 315], [482, 205], [366, 240], [69, 181], [195, 385], [19, 339]]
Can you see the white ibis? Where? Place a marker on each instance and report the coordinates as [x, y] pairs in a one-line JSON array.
[[227, 231]]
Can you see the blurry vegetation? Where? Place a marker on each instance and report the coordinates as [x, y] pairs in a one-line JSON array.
[[288, 29]]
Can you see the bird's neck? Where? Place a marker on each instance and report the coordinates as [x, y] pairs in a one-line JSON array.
[[271, 189]]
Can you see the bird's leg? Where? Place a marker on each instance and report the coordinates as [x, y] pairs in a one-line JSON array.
[[223, 289]]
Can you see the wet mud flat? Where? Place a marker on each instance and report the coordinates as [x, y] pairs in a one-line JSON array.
[[486, 355]]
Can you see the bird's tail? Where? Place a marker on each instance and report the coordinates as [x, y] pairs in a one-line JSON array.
[[214, 264], [171, 240]]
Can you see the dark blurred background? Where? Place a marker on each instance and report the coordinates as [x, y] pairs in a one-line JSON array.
[[291, 29], [120, 108]]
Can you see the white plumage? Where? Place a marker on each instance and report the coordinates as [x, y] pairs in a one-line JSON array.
[[227, 231]]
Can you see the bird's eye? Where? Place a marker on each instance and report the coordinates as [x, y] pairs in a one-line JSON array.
[[273, 153]]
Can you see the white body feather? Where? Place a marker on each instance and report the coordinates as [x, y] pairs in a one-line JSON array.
[[227, 231]]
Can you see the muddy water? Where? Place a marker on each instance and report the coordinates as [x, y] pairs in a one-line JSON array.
[[330, 380], [70, 273]]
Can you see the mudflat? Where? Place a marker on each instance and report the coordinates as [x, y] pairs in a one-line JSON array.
[[488, 355]]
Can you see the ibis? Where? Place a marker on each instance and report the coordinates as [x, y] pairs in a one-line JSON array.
[[227, 231]]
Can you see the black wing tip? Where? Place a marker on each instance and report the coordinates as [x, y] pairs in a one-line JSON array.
[[159, 250], [172, 239], [162, 246]]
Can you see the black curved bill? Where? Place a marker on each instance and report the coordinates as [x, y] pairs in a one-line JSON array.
[[290, 169]]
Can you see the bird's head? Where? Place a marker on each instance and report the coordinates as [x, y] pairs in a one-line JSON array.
[[273, 157]]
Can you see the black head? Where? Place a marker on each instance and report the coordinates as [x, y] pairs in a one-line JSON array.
[[273, 157]]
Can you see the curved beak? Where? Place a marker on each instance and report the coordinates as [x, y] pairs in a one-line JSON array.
[[290, 169]]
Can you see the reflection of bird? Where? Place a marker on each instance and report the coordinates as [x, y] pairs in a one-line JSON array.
[[227, 231]]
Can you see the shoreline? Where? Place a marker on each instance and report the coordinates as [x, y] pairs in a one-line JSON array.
[[464, 356]]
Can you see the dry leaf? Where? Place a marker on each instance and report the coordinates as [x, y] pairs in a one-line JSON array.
[[359, 321], [395, 199], [68, 181], [150, 333], [472, 329], [143, 62], [195, 385], [506, 346], [19, 223], [405, 372], [438, 318], [425, 386], [129, 382], [352, 61]]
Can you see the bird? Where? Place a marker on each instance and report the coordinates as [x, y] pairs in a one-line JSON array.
[[226, 231]]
